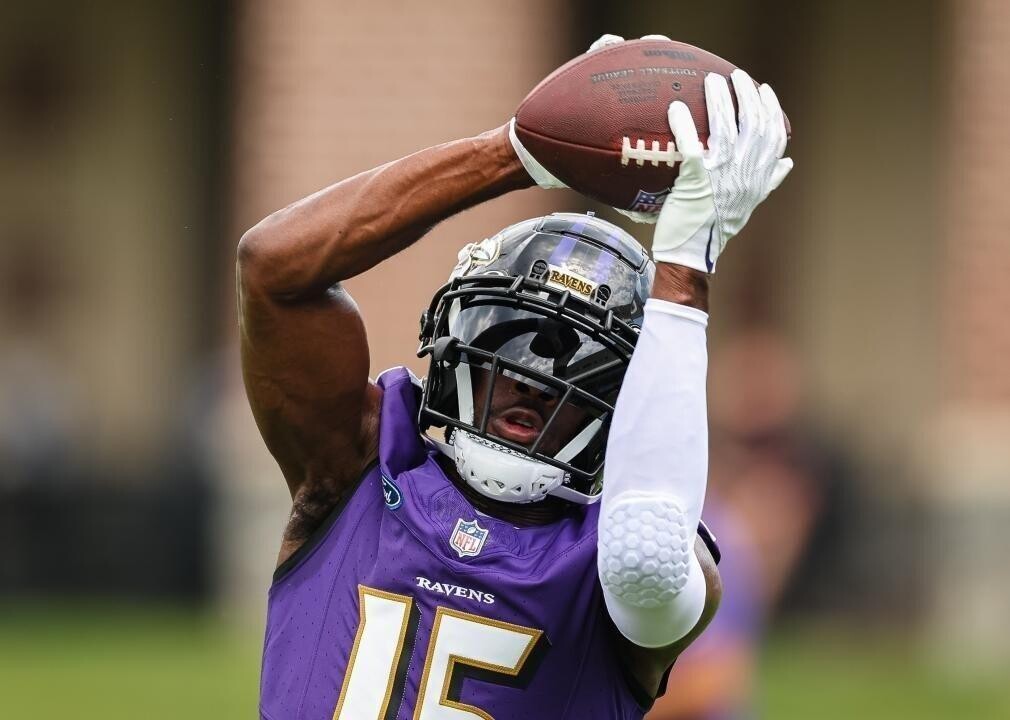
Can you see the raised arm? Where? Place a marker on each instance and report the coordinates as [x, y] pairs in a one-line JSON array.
[[304, 350], [660, 585]]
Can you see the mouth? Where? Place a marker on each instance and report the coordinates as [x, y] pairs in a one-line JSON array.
[[518, 424]]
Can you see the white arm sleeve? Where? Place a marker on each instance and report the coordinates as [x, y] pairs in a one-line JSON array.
[[654, 481]]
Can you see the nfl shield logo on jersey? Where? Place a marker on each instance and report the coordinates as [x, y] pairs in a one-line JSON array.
[[468, 538], [391, 493]]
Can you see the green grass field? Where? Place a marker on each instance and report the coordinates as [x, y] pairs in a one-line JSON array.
[[831, 676], [90, 662]]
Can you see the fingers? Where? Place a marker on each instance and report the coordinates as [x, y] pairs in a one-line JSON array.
[[684, 131], [609, 39], [692, 178], [752, 120], [776, 121], [721, 117], [604, 40]]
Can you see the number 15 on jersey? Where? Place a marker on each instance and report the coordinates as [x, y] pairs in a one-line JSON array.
[[380, 658]]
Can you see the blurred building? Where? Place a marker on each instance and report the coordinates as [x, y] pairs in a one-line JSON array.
[[111, 262], [139, 142]]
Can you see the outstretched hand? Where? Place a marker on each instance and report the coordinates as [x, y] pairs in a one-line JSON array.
[[717, 190]]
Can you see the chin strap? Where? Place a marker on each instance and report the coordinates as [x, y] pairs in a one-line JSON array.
[[500, 473], [561, 491], [443, 447]]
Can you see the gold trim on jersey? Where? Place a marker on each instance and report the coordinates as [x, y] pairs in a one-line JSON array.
[[407, 602], [533, 634]]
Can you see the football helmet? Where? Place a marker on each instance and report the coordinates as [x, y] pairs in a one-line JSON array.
[[528, 343]]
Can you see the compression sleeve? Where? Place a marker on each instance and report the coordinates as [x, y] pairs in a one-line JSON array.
[[654, 481]]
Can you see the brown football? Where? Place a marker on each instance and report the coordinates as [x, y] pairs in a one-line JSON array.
[[599, 124]]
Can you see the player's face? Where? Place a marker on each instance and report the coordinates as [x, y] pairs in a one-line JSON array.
[[520, 410]]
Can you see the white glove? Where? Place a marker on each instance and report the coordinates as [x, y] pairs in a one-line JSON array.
[[716, 191], [608, 39], [604, 40], [538, 172]]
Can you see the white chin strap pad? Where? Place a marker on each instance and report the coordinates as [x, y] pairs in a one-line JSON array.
[[646, 561], [501, 474]]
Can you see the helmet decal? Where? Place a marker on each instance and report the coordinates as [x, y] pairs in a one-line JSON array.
[[474, 255], [564, 279]]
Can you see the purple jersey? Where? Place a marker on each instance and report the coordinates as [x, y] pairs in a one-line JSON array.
[[410, 605]]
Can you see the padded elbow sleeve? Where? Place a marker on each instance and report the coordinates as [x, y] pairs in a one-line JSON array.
[[652, 582], [654, 482]]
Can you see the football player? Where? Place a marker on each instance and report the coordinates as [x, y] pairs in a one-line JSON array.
[[505, 572]]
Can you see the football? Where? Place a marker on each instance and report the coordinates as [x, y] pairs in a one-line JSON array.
[[599, 122]]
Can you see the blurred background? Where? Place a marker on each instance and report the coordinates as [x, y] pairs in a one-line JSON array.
[[860, 382]]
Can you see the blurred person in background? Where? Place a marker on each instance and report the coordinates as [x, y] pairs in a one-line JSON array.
[[768, 482]]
